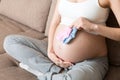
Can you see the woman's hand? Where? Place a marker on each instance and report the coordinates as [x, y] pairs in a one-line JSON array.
[[58, 61], [64, 64], [86, 25]]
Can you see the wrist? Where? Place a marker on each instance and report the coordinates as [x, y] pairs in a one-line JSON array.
[[95, 29], [52, 55], [50, 49]]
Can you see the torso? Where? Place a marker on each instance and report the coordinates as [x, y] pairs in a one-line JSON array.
[[85, 45]]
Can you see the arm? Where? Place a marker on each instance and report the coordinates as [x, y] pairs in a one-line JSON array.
[[51, 54], [54, 23], [111, 33]]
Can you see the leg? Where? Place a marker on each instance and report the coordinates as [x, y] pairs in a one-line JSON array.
[[28, 51], [94, 69]]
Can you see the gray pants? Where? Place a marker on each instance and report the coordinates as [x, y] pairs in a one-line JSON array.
[[33, 53]]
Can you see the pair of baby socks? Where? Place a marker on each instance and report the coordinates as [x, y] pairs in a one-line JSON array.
[[71, 36], [67, 35]]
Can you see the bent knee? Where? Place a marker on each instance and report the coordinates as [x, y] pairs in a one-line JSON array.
[[9, 40]]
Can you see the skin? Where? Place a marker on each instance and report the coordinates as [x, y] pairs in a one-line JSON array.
[[62, 55]]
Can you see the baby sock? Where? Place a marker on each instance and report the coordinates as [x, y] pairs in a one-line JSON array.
[[65, 33], [71, 36]]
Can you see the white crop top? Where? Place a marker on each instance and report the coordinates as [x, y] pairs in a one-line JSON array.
[[89, 9]]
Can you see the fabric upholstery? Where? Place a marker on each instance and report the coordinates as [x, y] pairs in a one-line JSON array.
[[5, 62], [15, 73], [32, 13]]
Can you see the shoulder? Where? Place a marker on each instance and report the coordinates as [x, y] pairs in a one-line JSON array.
[[115, 7], [104, 3], [109, 3], [114, 3], [58, 0]]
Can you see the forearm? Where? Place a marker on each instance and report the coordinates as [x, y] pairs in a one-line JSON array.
[[54, 23], [50, 39], [108, 32], [52, 29], [53, 57]]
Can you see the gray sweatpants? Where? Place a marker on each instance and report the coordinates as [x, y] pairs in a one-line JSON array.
[[33, 53]]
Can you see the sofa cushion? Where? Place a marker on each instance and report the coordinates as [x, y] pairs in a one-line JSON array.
[[15, 73], [5, 62], [32, 13], [50, 16]]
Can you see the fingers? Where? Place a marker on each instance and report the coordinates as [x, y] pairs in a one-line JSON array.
[[59, 62], [77, 24], [79, 27], [82, 24], [67, 63], [64, 64]]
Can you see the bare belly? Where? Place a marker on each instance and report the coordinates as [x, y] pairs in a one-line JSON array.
[[84, 46]]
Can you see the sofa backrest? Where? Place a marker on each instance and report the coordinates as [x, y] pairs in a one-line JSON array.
[[32, 13]]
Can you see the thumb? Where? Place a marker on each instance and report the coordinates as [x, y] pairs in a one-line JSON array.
[[71, 26], [80, 28]]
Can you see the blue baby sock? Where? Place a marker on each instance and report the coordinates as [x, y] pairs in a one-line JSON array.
[[71, 36]]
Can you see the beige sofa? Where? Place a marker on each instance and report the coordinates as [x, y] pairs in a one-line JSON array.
[[32, 18]]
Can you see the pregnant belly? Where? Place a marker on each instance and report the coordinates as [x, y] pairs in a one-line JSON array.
[[84, 46]]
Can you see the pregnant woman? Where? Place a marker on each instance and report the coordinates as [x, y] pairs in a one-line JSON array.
[[85, 56]]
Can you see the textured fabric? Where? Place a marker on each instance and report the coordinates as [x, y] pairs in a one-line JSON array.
[[29, 69], [28, 51], [52, 8], [91, 10], [5, 61], [32, 13], [15, 73]]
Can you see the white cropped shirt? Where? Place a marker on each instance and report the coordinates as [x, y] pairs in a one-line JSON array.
[[89, 9]]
